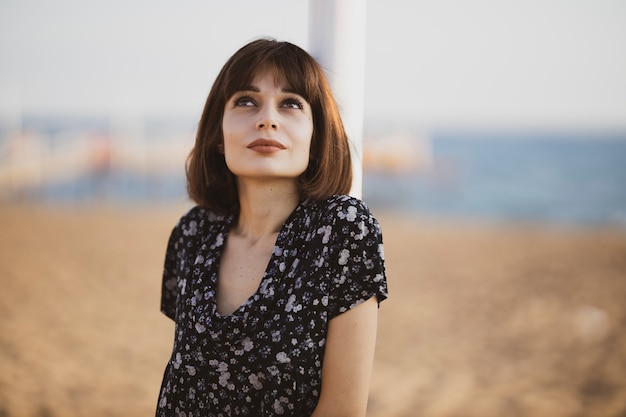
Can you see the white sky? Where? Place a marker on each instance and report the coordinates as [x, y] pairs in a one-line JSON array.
[[530, 63]]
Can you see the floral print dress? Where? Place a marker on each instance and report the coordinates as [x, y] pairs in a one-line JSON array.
[[264, 359]]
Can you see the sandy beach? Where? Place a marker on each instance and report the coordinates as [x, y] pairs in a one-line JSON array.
[[483, 319]]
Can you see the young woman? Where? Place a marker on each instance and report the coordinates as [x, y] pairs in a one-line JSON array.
[[274, 278]]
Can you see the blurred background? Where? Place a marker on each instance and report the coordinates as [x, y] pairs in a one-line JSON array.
[[494, 155]]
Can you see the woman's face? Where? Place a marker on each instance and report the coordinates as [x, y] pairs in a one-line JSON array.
[[267, 131]]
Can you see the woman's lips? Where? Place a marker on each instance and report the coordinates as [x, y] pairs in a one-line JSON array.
[[266, 146]]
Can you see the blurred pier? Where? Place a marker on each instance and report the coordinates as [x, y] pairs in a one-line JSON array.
[[43, 163]]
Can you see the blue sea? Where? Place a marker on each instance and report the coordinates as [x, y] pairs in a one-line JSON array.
[[557, 178], [575, 178]]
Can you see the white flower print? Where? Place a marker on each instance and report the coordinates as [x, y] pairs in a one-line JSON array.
[[191, 229], [291, 306], [219, 241], [255, 381], [351, 216], [197, 296], [223, 379], [248, 344], [276, 336], [178, 360], [326, 230], [282, 357], [363, 231], [343, 257], [278, 407]]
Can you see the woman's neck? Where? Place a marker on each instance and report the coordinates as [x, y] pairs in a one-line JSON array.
[[264, 208]]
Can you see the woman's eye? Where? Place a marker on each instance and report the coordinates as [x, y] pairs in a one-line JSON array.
[[292, 103], [244, 102]]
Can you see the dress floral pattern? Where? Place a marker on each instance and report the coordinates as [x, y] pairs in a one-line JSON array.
[[264, 359]]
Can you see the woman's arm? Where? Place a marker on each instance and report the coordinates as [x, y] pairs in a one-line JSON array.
[[348, 360]]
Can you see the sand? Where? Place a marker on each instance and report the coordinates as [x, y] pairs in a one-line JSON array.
[[483, 320]]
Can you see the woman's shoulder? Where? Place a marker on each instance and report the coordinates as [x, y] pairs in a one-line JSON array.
[[199, 218], [344, 211], [343, 207]]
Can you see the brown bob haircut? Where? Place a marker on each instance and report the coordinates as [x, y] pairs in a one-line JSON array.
[[209, 181]]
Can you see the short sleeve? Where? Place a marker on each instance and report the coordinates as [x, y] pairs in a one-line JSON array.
[[169, 286], [357, 258]]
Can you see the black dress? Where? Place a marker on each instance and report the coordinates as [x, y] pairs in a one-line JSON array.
[[264, 359]]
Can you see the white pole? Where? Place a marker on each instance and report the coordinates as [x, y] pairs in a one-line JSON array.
[[337, 41]]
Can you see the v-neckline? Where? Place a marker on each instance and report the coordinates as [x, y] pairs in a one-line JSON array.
[[266, 279]]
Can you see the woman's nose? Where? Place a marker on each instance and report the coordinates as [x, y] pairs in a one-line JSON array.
[[268, 120]]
